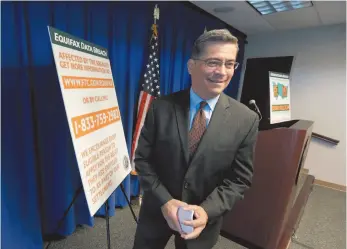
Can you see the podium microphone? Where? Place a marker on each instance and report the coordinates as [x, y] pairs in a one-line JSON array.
[[255, 108]]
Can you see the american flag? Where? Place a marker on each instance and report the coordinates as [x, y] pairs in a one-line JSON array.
[[149, 90]]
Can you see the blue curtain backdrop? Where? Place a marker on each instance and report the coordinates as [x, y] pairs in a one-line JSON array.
[[39, 169]]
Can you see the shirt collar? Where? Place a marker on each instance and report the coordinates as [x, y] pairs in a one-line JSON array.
[[196, 99]]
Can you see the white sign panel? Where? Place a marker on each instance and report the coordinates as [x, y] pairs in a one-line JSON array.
[[93, 115], [280, 109]]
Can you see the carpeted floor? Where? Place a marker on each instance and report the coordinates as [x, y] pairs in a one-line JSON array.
[[323, 226]]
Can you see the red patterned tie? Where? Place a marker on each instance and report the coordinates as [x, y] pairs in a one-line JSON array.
[[197, 130]]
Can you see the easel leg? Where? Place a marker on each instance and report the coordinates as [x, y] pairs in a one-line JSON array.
[[127, 199], [60, 223], [108, 225]]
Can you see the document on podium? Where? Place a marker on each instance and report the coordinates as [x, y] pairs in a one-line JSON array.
[[93, 115]]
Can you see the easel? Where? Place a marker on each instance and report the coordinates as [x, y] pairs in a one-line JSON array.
[[79, 190]]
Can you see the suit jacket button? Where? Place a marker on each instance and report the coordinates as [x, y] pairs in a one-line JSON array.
[[186, 184]]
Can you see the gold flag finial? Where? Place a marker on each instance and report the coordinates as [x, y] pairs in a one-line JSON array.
[[156, 13]]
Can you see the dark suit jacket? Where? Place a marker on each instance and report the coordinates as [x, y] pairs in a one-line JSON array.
[[218, 174]]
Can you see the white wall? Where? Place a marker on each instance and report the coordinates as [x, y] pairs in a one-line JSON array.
[[318, 89]]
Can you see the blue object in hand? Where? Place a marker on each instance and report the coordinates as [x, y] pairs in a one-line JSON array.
[[185, 215]]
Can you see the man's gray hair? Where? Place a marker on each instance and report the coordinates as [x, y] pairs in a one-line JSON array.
[[216, 35]]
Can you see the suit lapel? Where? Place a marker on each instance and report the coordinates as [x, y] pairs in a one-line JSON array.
[[182, 118], [215, 126]]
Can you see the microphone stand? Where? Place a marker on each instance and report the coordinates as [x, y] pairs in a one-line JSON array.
[[260, 116], [256, 110]]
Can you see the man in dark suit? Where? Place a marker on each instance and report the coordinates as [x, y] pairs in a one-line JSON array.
[[195, 150]]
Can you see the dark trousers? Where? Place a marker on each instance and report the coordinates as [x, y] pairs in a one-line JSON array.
[[153, 232], [143, 241]]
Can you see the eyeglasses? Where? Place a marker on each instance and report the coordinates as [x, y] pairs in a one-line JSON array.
[[213, 63]]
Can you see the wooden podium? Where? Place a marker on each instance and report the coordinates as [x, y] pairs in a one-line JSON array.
[[271, 210]]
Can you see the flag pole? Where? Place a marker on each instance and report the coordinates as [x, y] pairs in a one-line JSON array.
[[150, 88]]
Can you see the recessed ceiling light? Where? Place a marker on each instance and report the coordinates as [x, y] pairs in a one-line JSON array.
[[270, 7]]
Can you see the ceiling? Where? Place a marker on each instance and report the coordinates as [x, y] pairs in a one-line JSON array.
[[247, 20]]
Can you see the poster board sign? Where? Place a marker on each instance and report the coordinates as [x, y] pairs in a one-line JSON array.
[[280, 109], [93, 115]]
